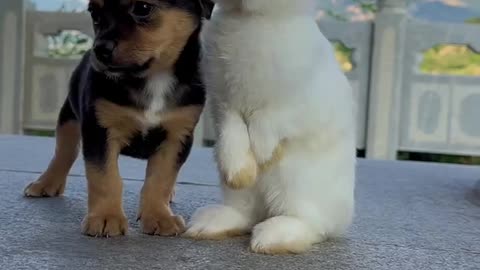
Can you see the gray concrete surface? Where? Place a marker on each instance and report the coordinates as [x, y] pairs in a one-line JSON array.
[[409, 216]]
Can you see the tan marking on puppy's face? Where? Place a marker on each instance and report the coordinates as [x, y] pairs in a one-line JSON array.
[[98, 3], [139, 35], [160, 42]]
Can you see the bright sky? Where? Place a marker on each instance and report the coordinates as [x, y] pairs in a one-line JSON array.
[[473, 6], [56, 4]]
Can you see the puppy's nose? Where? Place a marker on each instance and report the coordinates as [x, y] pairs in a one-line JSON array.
[[104, 51]]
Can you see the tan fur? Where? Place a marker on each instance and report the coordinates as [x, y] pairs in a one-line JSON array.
[[52, 182], [296, 248], [161, 175], [162, 170], [245, 178], [120, 121], [182, 121], [162, 41], [277, 156], [99, 3], [105, 209], [172, 196], [217, 237]]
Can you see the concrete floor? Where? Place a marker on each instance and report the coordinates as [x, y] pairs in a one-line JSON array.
[[409, 216]]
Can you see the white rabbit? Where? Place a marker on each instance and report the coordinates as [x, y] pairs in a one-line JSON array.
[[284, 114]]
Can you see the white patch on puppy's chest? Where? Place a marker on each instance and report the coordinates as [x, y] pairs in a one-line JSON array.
[[157, 90]]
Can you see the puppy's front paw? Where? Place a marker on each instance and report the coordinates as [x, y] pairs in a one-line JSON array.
[[163, 225], [243, 178], [45, 187], [105, 225]]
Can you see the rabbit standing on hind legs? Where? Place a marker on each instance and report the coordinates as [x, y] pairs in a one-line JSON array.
[[284, 114]]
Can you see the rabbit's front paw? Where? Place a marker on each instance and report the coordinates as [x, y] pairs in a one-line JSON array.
[[244, 177]]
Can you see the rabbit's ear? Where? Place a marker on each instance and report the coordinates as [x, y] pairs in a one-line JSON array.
[[207, 7]]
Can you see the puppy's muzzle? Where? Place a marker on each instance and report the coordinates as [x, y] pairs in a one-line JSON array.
[[104, 51]]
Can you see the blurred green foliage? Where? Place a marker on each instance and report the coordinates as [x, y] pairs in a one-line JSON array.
[[68, 44], [40, 133], [439, 60], [366, 6], [473, 20], [451, 60], [344, 56]]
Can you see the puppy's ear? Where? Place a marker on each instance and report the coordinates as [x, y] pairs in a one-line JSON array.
[[206, 7]]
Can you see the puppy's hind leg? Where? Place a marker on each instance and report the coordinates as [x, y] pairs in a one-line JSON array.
[[52, 182]]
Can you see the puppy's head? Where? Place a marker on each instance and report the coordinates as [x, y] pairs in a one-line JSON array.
[[139, 36]]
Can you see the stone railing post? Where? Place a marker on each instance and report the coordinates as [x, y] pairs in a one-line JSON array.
[[386, 80], [12, 37]]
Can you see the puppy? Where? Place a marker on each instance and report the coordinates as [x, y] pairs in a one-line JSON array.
[[136, 93], [284, 114]]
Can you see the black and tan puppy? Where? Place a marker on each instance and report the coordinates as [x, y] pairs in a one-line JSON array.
[[137, 92]]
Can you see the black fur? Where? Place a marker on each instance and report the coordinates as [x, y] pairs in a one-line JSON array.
[[87, 85], [143, 146], [186, 148]]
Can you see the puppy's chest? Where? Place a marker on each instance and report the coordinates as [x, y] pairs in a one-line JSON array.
[[149, 132], [156, 99], [147, 108]]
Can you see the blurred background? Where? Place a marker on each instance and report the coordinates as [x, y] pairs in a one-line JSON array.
[[414, 65]]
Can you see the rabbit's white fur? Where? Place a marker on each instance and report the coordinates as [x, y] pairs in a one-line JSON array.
[[273, 83]]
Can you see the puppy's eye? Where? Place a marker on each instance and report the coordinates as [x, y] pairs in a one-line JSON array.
[[142, 9]]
